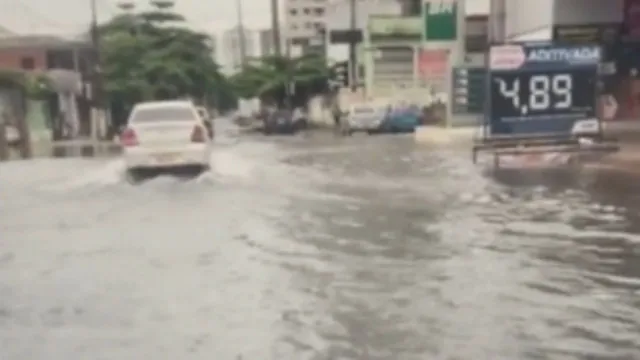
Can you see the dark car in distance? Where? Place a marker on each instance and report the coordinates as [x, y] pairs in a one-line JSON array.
[[283, 122]]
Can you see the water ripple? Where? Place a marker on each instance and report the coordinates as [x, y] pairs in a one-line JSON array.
[[317, 248]]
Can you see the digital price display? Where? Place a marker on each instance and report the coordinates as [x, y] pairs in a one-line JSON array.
[[540, 89]]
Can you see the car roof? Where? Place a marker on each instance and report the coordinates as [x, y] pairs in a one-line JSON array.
[[163, 104], [367, 106]]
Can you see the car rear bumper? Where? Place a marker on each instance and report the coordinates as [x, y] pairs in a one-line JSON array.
[[280, 127], [363, 126], [189, 155]]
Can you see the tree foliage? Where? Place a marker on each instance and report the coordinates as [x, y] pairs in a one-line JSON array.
[[153, 56], [268, 77]]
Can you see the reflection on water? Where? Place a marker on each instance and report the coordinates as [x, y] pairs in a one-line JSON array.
[[318, 248]]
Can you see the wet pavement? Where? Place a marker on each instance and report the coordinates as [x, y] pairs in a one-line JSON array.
[[316, 247]]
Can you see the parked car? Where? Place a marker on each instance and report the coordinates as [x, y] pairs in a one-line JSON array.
[[367, 117], [165, 135], [402, 119], [284, 122]]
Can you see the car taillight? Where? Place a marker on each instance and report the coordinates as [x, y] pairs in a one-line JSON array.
[[129, 138], [198, 135]]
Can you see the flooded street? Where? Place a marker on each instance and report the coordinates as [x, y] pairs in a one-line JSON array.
[[317, 248]]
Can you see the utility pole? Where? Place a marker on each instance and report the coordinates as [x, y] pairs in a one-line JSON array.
[[97, 94], [353, 65], [275, 27], [241, 35], [4, 142]]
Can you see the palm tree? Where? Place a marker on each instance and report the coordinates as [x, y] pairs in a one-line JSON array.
[[269, 77]]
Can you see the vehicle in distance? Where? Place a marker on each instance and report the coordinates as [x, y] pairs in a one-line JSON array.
[[163, 135], [367, 117], [402, 119], [284, 121]]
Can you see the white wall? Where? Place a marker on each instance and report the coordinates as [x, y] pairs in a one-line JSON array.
[[540, 34], [526, 16], [338, 17], [574, 12]]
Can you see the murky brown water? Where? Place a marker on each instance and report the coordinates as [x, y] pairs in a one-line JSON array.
[[317, 248]]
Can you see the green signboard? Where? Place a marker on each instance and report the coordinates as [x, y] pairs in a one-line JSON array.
[[468, 90], [440, 20]]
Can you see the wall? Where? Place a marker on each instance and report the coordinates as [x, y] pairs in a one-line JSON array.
[[575, 12], [497, 20], [338, 18], [539, 34], [526, 16], [10, 58]]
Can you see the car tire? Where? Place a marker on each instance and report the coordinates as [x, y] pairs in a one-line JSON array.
[[201, 169], [134, 175]]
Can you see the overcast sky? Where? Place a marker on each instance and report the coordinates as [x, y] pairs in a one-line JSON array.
[[68, 17]]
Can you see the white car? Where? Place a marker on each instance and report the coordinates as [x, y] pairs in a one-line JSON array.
[[365, 117], [165, 134]]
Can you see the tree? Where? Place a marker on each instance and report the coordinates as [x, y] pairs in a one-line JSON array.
[[153, 56], [268, 78]]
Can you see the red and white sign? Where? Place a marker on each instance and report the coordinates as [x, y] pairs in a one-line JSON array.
[[433, 63], [505, 57]]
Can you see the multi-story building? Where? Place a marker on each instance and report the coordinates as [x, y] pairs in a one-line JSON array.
[[230, 51], [304, 20], [338, 21]]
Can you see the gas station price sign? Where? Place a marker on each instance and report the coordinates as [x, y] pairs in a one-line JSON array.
[[541, 88]]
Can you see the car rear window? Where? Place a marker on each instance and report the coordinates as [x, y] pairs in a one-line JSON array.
[[203, 113], [364, 111], [162, 114]]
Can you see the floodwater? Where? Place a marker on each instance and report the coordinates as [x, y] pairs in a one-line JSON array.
[[314, 248]]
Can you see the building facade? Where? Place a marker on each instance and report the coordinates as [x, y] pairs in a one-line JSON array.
[[230, 51], [304, 20]]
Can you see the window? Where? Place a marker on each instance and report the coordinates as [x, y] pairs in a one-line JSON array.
[[306, 11], [162, 114], [319, 11], [27, 63], [293, 12]]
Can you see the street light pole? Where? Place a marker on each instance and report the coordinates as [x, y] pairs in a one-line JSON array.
[[353, 66], [97, 94], [275, 27], [241, 35]]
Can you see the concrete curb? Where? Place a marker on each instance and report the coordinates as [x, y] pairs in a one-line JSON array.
[[441, 135]]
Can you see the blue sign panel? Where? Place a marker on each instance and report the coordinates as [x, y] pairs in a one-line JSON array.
[[542, 89]]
